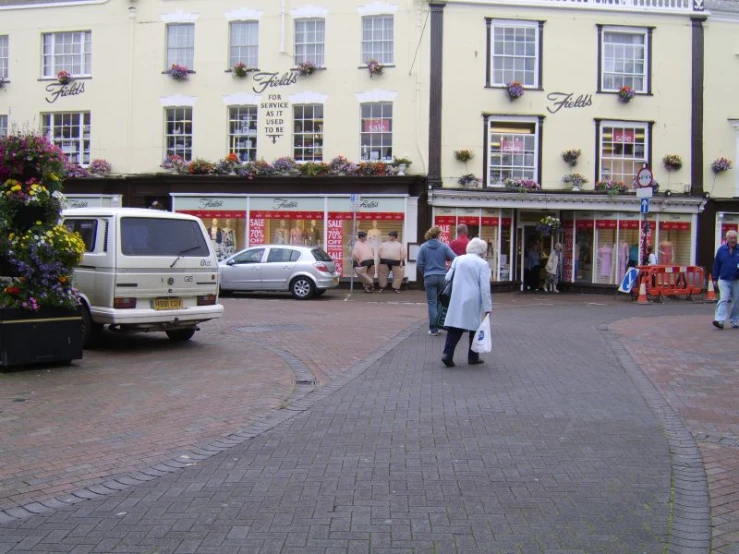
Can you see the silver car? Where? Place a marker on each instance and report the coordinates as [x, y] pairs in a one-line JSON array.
[[305, 271]]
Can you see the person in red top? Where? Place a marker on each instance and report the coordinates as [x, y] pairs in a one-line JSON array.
[[459, 245]]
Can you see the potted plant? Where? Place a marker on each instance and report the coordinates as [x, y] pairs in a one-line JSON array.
[[228, 165], [306, 68], [341, 166], [672, 162], [521, 185], [178, 72], [100, 167], [463, 155], [263, 168], [285, 165], [313, 169], [611, 187], [720, 165], [625, 94], [199, 166], [468, 179], [240, 70], [402, 164], [374, 67], [38, 256], [64, 77], [571, 156], [175, 164], [513, 90], [575, 179]]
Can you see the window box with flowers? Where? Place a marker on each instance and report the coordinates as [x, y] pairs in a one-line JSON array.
[[374, 67], [64, 77], [611, 187], [228, 165], [240, 70], [341, 166], [40, 315], [625, 94], [513, 90], [468, 180], [100, 167], [175, 164], [576, 180], [285, 165], [178, 72], [521, 185], [199, 166], [306, 68]]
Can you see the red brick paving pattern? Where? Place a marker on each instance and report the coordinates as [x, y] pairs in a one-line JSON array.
[[696, 368]]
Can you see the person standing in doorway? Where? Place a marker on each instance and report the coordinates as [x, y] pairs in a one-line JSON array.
[[431, 262], [726, 271], [471, 300], [459, 245], [533, 266]]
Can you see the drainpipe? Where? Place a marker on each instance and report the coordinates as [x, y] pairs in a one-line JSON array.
[[282, 26], [131, 55]]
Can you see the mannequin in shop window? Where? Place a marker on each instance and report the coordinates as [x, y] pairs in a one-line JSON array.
[[229, 240], [312, 234], [374, 236], [281, 233], [605, 260], [623, 256], [296, 233], [665, 251], [216, 236]]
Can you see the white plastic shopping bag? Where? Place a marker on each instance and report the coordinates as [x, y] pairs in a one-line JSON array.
[[483, 342]]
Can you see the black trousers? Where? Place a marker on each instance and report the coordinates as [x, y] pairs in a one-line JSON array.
[[453, 334]]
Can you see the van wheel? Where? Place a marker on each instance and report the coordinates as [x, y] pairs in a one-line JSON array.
[[181, 335], [302, 288], [91, 331]]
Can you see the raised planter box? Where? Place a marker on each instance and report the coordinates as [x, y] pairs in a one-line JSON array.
[[49, 335]]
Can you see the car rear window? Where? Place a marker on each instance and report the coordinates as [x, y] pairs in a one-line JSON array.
[[321, 256], [145, 236]]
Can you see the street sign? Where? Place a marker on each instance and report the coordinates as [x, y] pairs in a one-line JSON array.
[[355, 201], [629, 280], [644, 208], [644, 178]]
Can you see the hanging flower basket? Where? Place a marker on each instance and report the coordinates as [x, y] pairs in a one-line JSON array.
[[720, 165], [306, 68], [463, 155], [178, 72], [240, 70], [64, 77], [625, 94], [611, 187], [548, 224], [513, 90], [571, 156], [672, 162], [374, 67]]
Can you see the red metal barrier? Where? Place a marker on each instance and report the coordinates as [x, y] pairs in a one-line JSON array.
[[667, 280]]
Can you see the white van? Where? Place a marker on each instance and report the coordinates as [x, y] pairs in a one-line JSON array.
[[144, 270]]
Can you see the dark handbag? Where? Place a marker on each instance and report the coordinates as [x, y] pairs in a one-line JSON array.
[[441, 317], [445, 295]]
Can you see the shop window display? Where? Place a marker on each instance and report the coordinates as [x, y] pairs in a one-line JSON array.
[[227, 235], [377, 231], [584, 250], [674, 244]]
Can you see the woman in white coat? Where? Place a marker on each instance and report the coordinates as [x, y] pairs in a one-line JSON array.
[[471, 300]]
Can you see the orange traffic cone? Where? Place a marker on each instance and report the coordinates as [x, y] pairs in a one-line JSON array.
[[710, 292], [642, 298]]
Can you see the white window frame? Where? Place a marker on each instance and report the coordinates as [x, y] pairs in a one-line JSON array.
[[3, 125], [637, 162], [181, 45], [622, 78], [70, 131], [308, 128], [375, 42], [372, 140], [178, 131], [513, 60], [314, 50], [4, 56], [242, 132], [523, 165], [244, 43], [71, 51]]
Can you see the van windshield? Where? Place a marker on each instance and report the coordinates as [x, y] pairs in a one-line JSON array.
[[144, 236]]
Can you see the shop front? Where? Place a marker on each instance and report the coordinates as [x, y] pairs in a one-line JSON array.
[[93, 201], [331, 222], [601, 235]]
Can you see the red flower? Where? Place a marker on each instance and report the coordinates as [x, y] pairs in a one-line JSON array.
[[12, 290]]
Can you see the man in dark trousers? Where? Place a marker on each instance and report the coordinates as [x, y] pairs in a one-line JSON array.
[[726, 272], [459, 245]]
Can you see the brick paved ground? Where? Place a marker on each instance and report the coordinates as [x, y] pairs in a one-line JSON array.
[[558, 444]]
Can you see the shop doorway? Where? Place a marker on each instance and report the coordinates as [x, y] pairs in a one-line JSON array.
[[529, 255]]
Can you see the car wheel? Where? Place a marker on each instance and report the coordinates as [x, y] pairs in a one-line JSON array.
[[91, 331], [302, 288], [181, 335]]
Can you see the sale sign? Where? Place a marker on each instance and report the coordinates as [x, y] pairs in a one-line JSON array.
[[256, 232], [335, 244], [376, 125], [623, 135]]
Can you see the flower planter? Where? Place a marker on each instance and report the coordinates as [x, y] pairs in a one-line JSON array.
[[49, 335]]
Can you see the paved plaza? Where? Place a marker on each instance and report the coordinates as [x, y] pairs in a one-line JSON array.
[[331, 426]]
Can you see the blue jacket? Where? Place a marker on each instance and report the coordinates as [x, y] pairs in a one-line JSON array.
[[432, 257], [726, 264]]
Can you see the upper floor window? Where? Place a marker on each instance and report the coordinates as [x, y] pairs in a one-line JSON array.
[[376, 135], [181, 44], [70, 132], [244, 43], [3, 125], [512, 150], [308, 133], [624, 58], [310, 39], [70, 52], [178, 132], [4, 48], [242, 137], [623, 150], [514, 52], [378, 39]]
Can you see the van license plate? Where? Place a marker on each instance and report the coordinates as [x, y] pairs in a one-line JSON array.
[[167, 303]]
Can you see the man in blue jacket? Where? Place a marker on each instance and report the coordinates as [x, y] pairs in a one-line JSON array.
[[431, 261], [726, 271]]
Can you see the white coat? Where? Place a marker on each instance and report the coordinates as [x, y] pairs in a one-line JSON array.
[[470, 292]]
